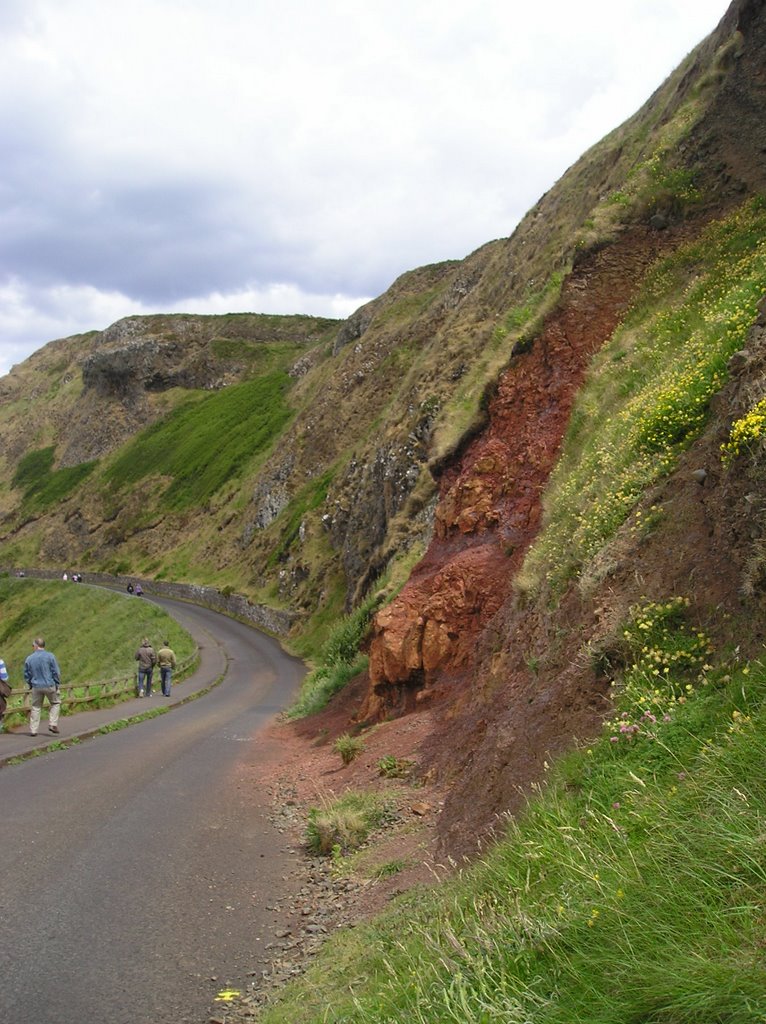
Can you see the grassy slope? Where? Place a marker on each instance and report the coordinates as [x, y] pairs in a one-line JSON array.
[[93, 632], [632, 889]]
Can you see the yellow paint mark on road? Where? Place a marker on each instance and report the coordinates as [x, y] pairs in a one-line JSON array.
[[227, 995]]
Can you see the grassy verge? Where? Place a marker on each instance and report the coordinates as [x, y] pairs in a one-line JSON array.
[[631, 889], [339, 660], [93, 632]]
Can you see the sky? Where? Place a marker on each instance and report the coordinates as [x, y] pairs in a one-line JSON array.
[[291, 156]]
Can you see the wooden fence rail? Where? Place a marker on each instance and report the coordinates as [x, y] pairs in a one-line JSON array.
[[91, 693]]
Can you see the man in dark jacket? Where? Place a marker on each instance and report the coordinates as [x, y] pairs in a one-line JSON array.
[[42, 676], [147, 659]]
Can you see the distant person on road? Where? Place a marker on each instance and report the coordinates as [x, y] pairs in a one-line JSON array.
[[166, 660], [5, 691], [139, 590], [129, 588], [42, 676], [147, 659]]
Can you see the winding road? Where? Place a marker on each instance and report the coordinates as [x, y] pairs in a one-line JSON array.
[[139, 869]]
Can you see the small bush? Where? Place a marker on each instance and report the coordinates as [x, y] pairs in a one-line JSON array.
[[346, 824], [394, 767], [349, 747]]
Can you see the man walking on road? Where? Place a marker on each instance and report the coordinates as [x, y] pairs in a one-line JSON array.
[[147, 659], [166, 660], [42, 676]]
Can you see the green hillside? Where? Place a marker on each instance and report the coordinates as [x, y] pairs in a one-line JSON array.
[[93, 632], [632, 885]]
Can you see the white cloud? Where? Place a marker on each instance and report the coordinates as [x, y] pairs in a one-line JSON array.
[[177, 151]]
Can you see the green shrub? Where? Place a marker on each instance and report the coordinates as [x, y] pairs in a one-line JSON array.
[[349, 747], [345, 824], [391, 767]]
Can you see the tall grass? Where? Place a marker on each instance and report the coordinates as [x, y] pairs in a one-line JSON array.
[[93, 632], [340, 659], [631, 889]]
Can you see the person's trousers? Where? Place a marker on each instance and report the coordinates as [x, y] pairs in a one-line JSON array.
[[39, 693], [145, 678], [165, 674]]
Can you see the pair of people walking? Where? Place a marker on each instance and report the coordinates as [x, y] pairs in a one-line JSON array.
[[148, 659]]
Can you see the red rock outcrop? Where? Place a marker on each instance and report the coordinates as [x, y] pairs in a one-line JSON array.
[[489, 509]]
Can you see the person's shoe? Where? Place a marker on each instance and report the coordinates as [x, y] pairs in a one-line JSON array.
[[53, 728], [33, 734], [140, 693]]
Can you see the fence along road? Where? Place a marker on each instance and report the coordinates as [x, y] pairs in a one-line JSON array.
[[141, 865]]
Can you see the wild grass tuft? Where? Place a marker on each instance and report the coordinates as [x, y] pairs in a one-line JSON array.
[[345, 824], [348, 747]]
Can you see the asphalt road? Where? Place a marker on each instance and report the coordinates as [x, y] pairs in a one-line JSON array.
[[138, 868]]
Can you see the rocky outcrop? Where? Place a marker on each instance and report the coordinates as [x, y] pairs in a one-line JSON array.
[[140, 354]]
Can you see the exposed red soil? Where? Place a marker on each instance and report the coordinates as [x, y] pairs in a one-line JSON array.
[[541, 676], [304, 768], [490, 508], [451, 653]]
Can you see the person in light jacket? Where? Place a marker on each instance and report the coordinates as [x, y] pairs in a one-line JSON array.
[[147, 659], [166, 660], [42, 676]]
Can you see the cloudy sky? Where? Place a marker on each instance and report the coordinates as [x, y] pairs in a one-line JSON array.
[[288, 156]]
